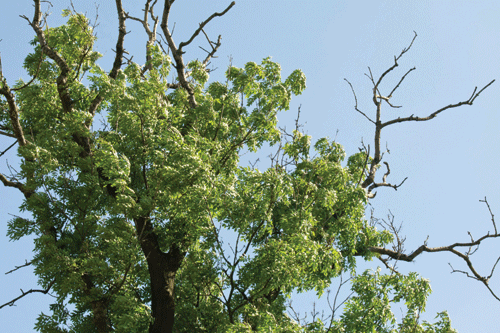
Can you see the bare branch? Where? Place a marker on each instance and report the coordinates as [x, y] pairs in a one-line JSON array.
[[148, 9], [334, 307], [215, 47], [491, 213], [387, 100], [12, 145], [398, 253], [356, 101], [24, 293], [399, 83], [18, 267], [384, 183], [395, 63], [177, 51], [434, 114], [367, 151], [177, 54], [202, 25], [370, 183], [450, 248]]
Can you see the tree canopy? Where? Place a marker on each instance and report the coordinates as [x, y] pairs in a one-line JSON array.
[[131, 215]]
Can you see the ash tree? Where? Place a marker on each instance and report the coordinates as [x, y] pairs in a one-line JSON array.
[[128, 215]]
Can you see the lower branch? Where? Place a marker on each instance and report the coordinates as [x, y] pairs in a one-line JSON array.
[[24, 293], [398, 254]]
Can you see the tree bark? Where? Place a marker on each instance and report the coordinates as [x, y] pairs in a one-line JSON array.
[[162, 269]]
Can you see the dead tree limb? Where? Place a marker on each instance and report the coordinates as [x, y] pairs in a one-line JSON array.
[[24, 293], [377, 97], [398, 253], [177, 52]]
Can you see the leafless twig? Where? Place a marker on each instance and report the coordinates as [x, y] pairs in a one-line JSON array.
[[24, 293]]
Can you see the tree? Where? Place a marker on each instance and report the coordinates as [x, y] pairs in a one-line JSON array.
[[129, 216]]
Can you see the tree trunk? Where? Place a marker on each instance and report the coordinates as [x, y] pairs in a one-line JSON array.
[[162, 268]]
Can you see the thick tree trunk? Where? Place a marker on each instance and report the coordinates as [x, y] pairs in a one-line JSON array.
[[162, 269]]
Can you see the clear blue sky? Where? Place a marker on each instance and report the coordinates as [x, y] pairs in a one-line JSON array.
[[450, 162]]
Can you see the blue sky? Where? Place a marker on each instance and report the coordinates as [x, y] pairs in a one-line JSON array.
[[450, 162]]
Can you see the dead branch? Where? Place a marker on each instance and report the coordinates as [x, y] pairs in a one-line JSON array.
[[12, 145], [356, 101], [177, 51], [148, 9], [19, 267], [406, 49], [399, 255], [334, 307], [202, 25], [370, 184], [24, 293], [491, 213], [435, 113], [399, 83], [384, 183], [177, 54], [214, 46]]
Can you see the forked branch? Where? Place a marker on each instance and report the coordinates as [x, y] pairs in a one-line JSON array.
[[370, 184], [398, 254], [177, 52]]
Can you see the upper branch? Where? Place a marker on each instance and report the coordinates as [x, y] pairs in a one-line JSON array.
[[435, 113], [374, 185], [202, 25], [119, 43], [177, 51], [62, 79], [356, 100], [397, 85], [118, 57], [406, 49], [424, 248], [177, 54], [369, 183], [148, 9], [18, 267], [214, 47]]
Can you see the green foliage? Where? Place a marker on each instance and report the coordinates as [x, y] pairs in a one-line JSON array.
[[294, 228]]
